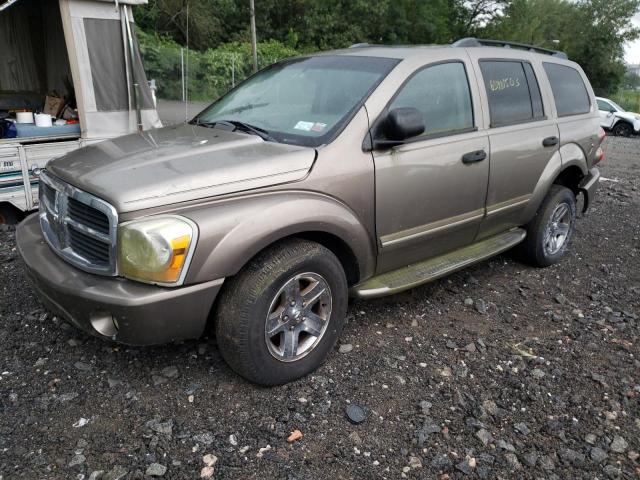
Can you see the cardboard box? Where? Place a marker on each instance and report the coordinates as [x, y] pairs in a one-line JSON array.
[[53, 105]]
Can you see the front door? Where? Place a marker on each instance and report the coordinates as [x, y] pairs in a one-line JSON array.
[[606, 112], [430, 191]]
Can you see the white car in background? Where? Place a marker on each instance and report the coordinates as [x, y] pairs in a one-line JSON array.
[[613, 117]]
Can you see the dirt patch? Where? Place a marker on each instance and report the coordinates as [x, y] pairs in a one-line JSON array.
[[501, 370]]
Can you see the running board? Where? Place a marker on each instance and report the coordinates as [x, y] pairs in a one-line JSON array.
[[428, 270]]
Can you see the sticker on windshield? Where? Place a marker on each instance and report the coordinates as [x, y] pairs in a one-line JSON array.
[[306, 126], [318, 127]]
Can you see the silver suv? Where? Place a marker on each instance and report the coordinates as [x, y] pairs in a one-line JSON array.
[[362, 172]]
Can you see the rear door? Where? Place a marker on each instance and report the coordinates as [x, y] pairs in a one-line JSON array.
[[523, 138]]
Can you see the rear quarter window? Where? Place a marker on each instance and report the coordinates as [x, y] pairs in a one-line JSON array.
[[569, 91]]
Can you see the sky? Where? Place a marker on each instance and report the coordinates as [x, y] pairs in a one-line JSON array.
[[632, 50]]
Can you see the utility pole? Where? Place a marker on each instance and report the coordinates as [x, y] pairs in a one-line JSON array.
[[254, 41]]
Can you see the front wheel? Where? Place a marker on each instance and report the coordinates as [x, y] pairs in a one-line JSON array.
[[549, 232], [279, 318], [622, 129]]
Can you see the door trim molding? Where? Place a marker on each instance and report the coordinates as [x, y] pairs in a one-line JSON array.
[[396, 238], [507, 205]]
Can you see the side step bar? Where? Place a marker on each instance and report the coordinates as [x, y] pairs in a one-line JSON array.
[[428, 270]]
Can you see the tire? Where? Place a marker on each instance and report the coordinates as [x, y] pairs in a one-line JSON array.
[[259, 299], [8, 215], [550, 231], [622, 129]]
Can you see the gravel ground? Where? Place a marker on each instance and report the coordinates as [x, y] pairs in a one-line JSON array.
[[499, 371]]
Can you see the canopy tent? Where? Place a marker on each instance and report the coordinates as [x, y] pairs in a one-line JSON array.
[[87, 46]]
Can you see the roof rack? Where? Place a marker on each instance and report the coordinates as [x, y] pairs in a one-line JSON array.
[[478, 42]]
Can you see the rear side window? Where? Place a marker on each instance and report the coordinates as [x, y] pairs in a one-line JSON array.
[[441, 93], [512, 91], [569, 90]]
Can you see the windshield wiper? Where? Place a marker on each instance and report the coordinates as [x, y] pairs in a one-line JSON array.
[[238, 125], [248, 106]]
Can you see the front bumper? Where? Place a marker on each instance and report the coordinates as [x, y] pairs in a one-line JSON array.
[[588, 187], [122, 310]]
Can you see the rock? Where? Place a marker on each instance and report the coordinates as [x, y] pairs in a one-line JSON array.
[[560, 299], [77, 460], [210, 460], [512, 461], [481, 306], [156, 470], [468, 302], [96, 475], [471, 347], [295, 436], [415, 462], [522, 428], [619, 444], [164, 428], [206, 472], [484, 436], [345, 348], [233, 440], [170, 372], [530, 458], [114, 382], [81, 423], [546, 463], [451, 344], [598, 455], [116, 473], [83, 367], [590, 438], [490, 407], [425, 407], [428, 428], [441, 463], [158, 380], [205, 438], [572, 457], [612, 471], [465, 467], [355, 414], [505, 446], [537, 373]]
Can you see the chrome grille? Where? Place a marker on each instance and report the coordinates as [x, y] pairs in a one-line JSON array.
[[78, 226]]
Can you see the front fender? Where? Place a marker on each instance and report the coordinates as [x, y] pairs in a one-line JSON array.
[[232, 231], [567, 156]]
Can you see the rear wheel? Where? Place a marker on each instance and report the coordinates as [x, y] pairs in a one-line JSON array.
[[549, 233], [622, 129], [279, 318]]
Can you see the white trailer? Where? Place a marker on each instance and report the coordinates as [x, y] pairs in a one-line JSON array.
[[84, 49]]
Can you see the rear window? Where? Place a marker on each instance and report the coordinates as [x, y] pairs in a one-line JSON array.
[[512, 91], [569, 91]]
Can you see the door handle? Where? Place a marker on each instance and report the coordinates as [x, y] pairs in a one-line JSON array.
[[550, 141], [476, 156]]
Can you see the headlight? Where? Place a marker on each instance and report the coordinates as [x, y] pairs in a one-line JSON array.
[[156, 249]]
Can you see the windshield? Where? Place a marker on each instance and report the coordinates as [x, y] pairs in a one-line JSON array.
[[616, 106], [304, 101]]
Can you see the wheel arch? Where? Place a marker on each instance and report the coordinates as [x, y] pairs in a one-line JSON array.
[[232, 235]]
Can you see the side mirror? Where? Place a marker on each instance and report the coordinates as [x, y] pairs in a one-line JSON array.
[[612, 110], [399, 125]]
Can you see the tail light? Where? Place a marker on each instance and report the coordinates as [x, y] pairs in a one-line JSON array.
[[599, 155], [602, 135]]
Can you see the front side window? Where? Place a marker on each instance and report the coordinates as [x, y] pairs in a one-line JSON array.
[[304, 101], [604, 106], [512, 91], [569, 91], [441, 93]]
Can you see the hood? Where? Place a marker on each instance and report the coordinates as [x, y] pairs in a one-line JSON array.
[[179, 163], [628, 116]]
